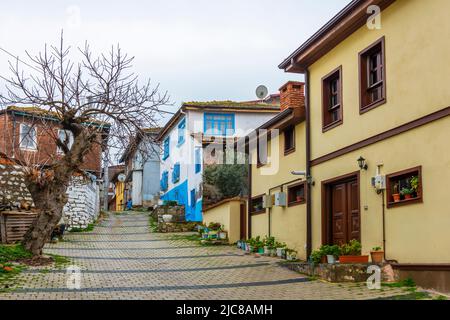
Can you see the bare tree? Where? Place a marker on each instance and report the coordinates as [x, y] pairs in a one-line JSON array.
[[94, 98]]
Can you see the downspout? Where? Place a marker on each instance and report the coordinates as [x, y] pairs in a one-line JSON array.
[[384, 231], [308, 169], [249, 202]]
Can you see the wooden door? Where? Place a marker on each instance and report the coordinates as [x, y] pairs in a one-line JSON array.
[[243, 222], [345, 215]]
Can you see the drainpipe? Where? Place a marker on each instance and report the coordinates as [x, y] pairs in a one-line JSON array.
[[14, 135], [384, 230], [308, 169]]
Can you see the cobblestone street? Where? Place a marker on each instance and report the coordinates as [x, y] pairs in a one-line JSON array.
[[122, 259]]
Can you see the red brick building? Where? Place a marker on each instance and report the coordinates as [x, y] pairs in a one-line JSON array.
[[27, 134]]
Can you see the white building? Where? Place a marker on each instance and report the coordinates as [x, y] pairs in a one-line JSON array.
[[186, 134]]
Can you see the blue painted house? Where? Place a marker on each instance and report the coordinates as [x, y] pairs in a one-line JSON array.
[[186, 135]]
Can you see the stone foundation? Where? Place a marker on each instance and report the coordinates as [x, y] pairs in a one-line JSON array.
[[173, 227], [340, 272], [13, 191]]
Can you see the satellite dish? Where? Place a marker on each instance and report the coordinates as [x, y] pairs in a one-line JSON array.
[[121, 177], [262, 92]]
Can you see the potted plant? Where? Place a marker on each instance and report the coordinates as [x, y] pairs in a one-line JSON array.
[[223, 235], [298, 197], [291, 255], [351, 253], [239, 244], [406, 193], [395, 193], [269, 243], [280, 247], [316, 256], [377, 255], [331, 252], [414, 182]]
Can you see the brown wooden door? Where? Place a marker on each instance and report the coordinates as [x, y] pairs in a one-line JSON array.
[[243, 222], [345, 215]]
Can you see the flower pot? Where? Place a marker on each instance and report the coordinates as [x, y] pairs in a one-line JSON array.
[[266, 251], [239, 244], [273, 252], [222, 235], [377, 256], [408, 196], [260, 250], [353, 259], [396, 197], [291, 256], [280, 252], [212, 235], [299, 199], [331, 259], [250, 248], [204, 236], [323, 259]]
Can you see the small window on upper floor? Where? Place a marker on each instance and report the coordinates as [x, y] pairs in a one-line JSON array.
[[28, 137], [198, 160], [289, 140], [181, 131], [332, 99], [166, 148], [372, 68]]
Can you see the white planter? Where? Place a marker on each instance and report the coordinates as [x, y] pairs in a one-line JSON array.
[[280, 252], [222, 235], [331, 259], [267, 251]]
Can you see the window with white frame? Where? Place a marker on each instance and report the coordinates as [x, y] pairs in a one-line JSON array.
[[28, 135], [66, 137]]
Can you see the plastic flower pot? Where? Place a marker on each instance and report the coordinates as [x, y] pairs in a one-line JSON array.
[[353, 259], [273, 252], [250, 248], [396, 197], [280, 252], [331, 259], [222, 235], [377, 256], [260, 250], [204, 236], [267, 251]]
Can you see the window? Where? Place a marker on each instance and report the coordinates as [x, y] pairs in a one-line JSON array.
[[181, 131], [28, 137], [404, 187], [289, 140], [166, 148], [66, 137], [193, 198], [257, 205], [372, 76], [296, 194], [176, 173], [198, 160], [164, 183], [219, 124], [332, 99]]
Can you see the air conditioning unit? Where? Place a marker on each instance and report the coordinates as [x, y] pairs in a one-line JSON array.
[[280, 199], [267, 201]]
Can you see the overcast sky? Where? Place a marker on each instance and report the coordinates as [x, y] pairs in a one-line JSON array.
[[197, 49]]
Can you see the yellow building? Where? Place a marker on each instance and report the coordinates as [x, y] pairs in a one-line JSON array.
[[377, 89], [271, 174], [117, 188]]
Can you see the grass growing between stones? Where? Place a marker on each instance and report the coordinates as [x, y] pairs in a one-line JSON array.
[[60, 261], [9, 269], [153, 224], [89, 228]]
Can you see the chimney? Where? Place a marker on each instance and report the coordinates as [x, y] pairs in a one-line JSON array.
[[292, 95]]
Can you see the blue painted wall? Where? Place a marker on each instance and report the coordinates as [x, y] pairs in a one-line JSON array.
[[180, 194]]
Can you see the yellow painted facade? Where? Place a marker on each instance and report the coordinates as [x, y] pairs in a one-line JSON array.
[[417, 49], [120, 204], [227, 214], [287, 224]]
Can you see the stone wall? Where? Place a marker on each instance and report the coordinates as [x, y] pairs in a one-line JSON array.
[[13, 190], [81, 209], [83, 205]]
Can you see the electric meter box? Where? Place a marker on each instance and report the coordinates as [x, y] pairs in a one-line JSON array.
[[379, 182], [267, 201], [280, 199]]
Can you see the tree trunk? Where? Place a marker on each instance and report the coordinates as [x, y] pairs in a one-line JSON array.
[[49, 200]]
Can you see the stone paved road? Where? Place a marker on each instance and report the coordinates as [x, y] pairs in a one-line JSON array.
[[121, 259]]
